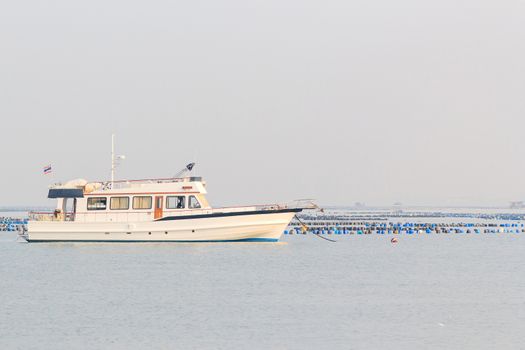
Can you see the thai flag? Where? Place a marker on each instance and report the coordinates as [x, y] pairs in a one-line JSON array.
[[47, 169]]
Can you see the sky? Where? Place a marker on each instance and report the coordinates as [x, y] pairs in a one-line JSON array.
[[374, 101]]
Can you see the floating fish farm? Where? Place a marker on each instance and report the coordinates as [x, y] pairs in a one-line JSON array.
[[349, 223], [403, 228]]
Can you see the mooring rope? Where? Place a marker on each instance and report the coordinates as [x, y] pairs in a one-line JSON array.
[[305, 228]]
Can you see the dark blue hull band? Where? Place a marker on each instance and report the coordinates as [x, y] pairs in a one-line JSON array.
[[238, 213]]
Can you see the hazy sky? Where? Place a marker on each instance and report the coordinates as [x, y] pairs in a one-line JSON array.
[[378, 101]]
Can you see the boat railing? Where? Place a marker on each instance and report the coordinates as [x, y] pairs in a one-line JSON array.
[[119, 184], [296, 204], [303, 204], [50, 216]]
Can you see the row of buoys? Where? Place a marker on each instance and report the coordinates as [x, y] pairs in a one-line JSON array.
[[10, 227], [298, 230], [381, 215], [392, 225], [12, 224], [8, 220]]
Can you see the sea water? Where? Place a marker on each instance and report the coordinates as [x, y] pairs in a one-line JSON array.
[[455, 291]]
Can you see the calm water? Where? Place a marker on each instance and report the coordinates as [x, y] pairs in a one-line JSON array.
[[363, 292]]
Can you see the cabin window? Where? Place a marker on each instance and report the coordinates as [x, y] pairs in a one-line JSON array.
[[97, 203], [119, 203], [175, 202], [193, 203], [142, 202]]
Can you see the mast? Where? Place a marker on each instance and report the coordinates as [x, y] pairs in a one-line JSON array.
[[112, 159]]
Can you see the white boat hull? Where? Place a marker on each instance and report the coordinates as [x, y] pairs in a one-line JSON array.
[[267, 226]]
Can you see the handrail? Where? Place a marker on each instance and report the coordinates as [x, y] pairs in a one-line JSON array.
[[50, 216], [165, 179], [48, 212]]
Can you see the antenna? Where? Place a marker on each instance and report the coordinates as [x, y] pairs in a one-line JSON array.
[[114, 159]]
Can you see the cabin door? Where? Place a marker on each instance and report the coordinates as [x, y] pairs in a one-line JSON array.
[[158, 207]]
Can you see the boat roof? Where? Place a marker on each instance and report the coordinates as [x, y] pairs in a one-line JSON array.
[[81, 188]]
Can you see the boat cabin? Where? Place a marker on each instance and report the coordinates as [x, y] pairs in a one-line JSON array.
[[129, 200]]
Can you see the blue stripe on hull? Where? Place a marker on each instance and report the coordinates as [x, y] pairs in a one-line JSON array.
[[237, 213], [152, 241]]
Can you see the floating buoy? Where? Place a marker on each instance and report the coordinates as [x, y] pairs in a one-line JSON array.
[[393, 240]]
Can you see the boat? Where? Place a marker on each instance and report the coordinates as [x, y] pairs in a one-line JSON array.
[[171, 209]]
